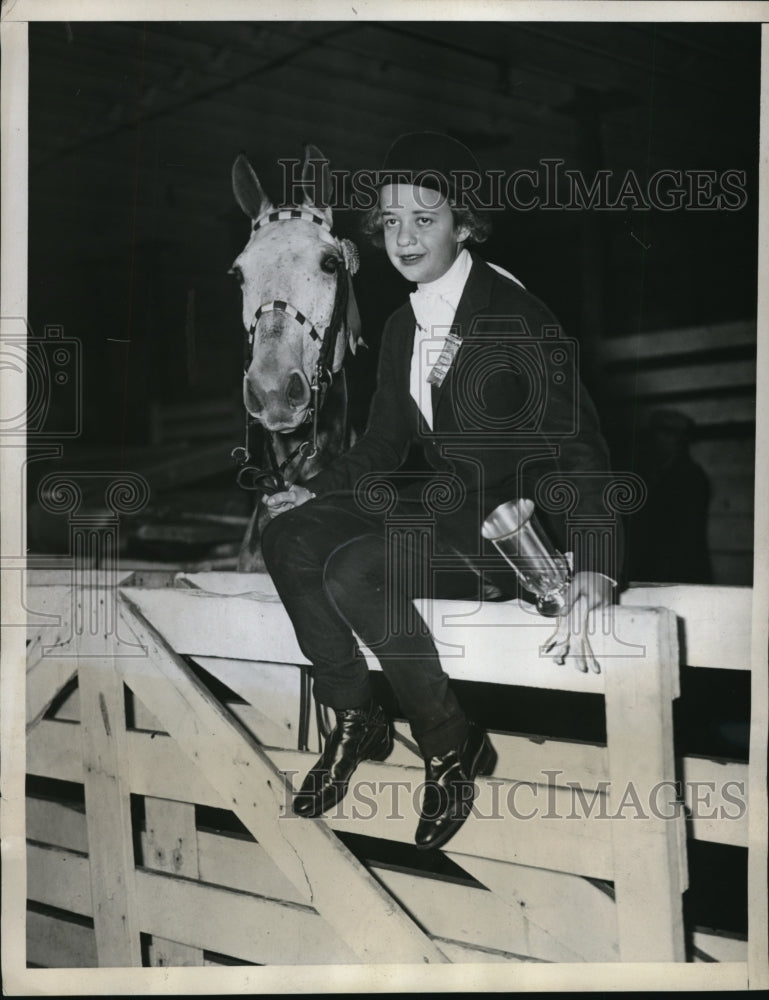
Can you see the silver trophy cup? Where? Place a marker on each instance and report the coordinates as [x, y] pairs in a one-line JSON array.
[[521, 539]]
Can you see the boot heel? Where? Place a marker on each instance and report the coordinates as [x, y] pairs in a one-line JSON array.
[[383, 749], [487, 760]]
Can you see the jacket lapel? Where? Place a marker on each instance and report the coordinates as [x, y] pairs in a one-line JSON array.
[[475, 297], [409, 334]]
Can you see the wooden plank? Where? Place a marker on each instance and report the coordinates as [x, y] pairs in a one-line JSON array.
[[244, 926], [229, 583], [443, 909], [159, 768], [717, 620], [446, 909], [59, 878], [48, 600], [720, 789], [244, 865], [693, 339], [458, 952], [272, 691], [59, 944], [480, 919], [58, 875], [712, 947], [192, 622], [171, 954], [693, 377], [504, 643], [47, 672], [306, 852], [171, 841], [39, 614], [648, 849], [465, 914], [263, 728], [54, 751], [57, 824], [556, 908], [184, 532], [512, 821], [108, 809], [467, 635], [529, 758], [477, 917], [202, 916], [47, 571]]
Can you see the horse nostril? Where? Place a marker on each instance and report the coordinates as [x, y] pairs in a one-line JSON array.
[[295, 391], [251, 400]]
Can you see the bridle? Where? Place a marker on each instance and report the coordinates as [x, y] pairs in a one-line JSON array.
[[251, 477]]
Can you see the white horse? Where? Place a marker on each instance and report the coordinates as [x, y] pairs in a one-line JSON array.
[[300, 317]]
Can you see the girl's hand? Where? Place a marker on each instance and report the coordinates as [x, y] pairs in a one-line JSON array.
[[294, 496], [587, 592]]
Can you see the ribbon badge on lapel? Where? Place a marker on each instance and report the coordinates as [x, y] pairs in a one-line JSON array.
[[451, 345]]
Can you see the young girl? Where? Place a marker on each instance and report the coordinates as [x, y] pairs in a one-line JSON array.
[[452, 378]]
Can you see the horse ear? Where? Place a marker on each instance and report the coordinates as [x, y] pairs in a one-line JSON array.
[[316, 179], [247, 189]]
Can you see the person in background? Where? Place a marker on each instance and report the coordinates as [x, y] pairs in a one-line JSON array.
[[668, 536]]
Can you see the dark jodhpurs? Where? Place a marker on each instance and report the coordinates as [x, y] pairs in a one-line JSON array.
[[338, 569]]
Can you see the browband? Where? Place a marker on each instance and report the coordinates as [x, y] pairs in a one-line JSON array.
[[284, 214]]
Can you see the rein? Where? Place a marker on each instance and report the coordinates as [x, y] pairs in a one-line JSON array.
[[251, 477]]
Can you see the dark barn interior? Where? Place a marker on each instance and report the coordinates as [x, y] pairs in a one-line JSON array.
[[133, 130]]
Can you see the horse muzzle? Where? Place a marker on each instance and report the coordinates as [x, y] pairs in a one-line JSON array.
[[279, 409]]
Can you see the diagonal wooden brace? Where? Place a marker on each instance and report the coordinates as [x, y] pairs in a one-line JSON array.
[[328, 876]]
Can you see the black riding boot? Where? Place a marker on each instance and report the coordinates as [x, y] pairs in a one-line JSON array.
[[450, 787], [360, 734]]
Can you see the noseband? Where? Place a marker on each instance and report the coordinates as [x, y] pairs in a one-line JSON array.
[[250, 477]]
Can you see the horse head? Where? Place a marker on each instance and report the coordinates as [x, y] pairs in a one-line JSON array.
[[299, 308]]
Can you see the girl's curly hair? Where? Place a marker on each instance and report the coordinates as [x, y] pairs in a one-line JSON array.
[[477, 223]]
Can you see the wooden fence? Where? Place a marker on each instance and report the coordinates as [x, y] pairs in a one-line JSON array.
[[165, 721]]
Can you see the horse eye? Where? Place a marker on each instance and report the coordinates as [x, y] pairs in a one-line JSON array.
[[237, 274], [330, 264]]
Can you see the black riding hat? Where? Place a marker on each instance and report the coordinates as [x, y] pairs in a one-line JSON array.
[[431, 160]]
